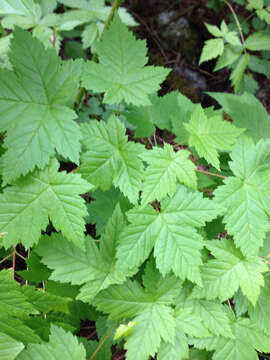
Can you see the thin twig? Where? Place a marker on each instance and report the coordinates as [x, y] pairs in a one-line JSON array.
[[6, 258], [238, 24], [102, 342], [211, 174], [14, 262]]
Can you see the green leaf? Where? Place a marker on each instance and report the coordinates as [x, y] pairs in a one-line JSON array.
[[25, 207], [247, 339], [256, 4], [246, 112], [18, 330], [223, 275], [208, 135], [212, 49], [258, 41], [111, 158], [131, 299], [95, 268], [36, 270], [228, 57], [238, 71], [124, 75], [214, 30], [17, 7], [9, 348], [102, 208], [165, 167], [38, 121], [245, 196], [171, 231], [152, 325], [12, 300], [212, 315], [260, 314], [61, 345]]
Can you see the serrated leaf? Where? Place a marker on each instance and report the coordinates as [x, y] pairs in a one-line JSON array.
[[36, 270], [228, 57], [95, 268], [258, 41], [18, 330], [165, 167], [25, 207], [238, 71], [17, 7], [124, 330], [246, 112], [171, 231], [152, 325], [212, 49], [123, 76], [102, 208], [208, 135], [223, 275], [12, 300], [245, 196], [9, 348], [111, 158], [247, 339], [212, 315], [214, 30], [38, 120], [61, 345]]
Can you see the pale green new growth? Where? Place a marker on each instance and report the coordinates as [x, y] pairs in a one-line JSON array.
[[34, 100], [111, 158], [212, 48], [165, 167], [121, 73], [208, 135], [26, 207]]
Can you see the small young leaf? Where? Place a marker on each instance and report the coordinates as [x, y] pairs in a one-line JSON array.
[[212, 49]]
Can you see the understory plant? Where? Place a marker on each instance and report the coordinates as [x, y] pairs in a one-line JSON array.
[[236, 44], [129, 242]]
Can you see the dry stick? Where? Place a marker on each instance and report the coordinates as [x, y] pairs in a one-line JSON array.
[[237, 23], [211, 174], [82, 90], [102, 342]]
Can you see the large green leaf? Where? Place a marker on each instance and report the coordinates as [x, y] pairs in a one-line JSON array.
[[208, 135], [61, 345], [34, 100], [258, 41], [247, 338], [246, 112], [223, 275], [95, 268], [9, 348], [171, 231], [25, 207], [121, 73], [111, 158], [165, 167], [246, 196]]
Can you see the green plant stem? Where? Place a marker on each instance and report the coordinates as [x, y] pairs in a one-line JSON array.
[[82, 90], [211, 174], [102, 342], [237, 23]]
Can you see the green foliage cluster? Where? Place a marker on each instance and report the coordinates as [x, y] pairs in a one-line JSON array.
[[177, 267], [235, 51]]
